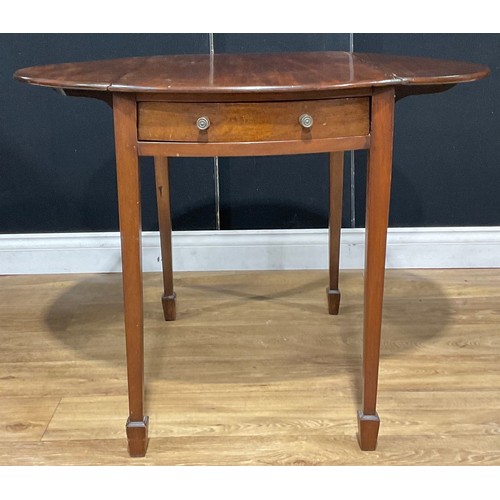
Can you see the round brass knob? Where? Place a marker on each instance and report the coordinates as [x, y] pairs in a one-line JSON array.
[[306, 120], [203, 123]]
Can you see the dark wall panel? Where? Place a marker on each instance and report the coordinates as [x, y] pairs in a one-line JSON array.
[[57, 167], [447, 147], [279, 191], [280, 42]]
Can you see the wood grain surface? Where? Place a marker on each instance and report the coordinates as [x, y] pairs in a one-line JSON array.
[[253, 372], [249, 122], [252, 73]]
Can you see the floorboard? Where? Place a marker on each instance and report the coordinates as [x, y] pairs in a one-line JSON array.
[[253, 372]]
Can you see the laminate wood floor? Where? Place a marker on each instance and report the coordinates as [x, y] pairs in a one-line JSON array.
[[253, 372]]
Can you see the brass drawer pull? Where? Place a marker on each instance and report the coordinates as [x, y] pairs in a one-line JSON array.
[[203, 123], [306, 120]]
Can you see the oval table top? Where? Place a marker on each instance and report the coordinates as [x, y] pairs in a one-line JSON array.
[[297, 72]]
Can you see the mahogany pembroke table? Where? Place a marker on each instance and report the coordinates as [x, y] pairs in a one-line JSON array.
[[248, 105]]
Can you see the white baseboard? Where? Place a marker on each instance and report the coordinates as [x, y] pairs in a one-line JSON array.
[[461, 247]]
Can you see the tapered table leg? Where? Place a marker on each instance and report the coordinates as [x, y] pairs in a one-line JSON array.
[[129, 201], [377, 214], [165, 225], [336, 186]]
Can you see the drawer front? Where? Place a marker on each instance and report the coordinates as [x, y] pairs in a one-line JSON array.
[[252, 121]]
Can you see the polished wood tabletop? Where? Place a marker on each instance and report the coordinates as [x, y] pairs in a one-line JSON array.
[[252, 73], [253, 104]]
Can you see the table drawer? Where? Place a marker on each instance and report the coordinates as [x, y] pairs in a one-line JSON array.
[[252, 121]]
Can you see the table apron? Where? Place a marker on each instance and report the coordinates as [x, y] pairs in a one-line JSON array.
[[187, 149]]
